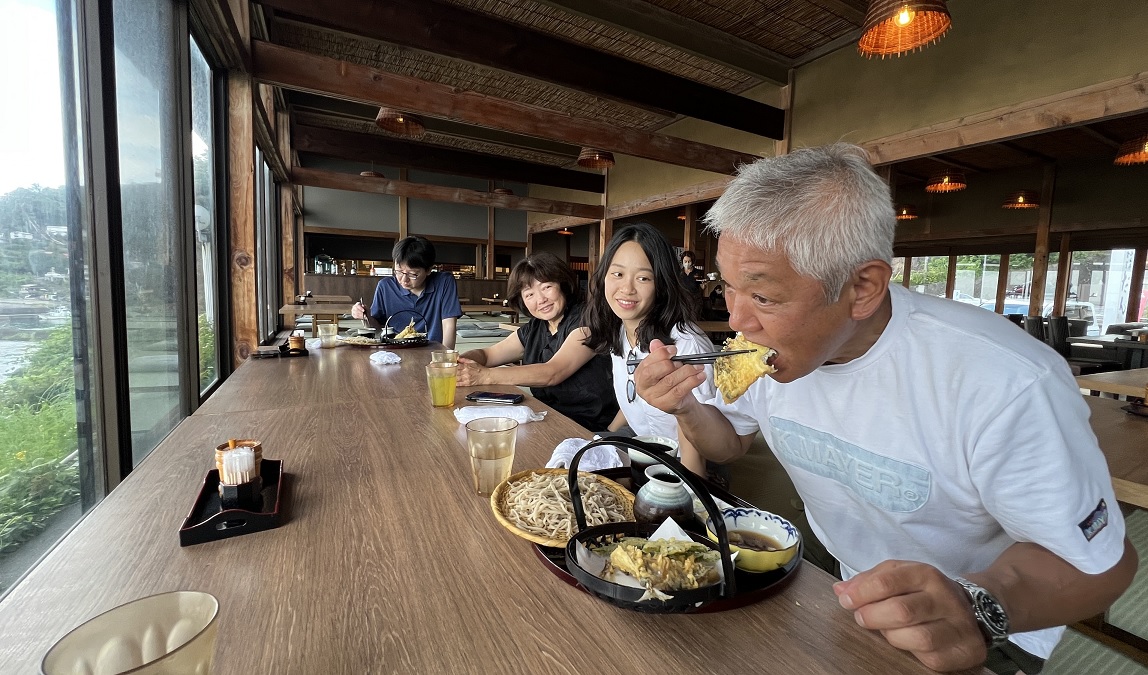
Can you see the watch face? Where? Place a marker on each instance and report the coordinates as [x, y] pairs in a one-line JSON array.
[[993, 614]]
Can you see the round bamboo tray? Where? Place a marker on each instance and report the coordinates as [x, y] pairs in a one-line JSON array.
[[499, 506]]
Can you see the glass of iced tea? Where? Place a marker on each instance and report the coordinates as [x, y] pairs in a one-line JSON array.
[[442, 377], [491, 444], [444, 356]]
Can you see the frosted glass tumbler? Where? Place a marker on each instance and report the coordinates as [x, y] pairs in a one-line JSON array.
[[166, 633]]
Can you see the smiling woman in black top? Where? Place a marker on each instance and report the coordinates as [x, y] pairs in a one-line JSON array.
[[560, 371]]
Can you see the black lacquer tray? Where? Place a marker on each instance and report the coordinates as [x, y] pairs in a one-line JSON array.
[[207, 521], [749, 587]]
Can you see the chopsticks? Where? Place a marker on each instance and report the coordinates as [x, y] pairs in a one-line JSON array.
[[701, 359]]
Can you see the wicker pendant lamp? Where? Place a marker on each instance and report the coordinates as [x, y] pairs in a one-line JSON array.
[[592, 158], [399, 123], [1134, 151], [947, 181], [566, 232], [1025, 199], [895, 27], [907, 212], [502, 191]]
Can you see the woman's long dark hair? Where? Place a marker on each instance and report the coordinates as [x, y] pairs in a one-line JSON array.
[[674, 305]]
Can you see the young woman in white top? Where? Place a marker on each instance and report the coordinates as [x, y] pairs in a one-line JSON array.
[[638, 295]]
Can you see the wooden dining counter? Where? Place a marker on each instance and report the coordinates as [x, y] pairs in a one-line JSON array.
[[387, 561], [1123, 439]]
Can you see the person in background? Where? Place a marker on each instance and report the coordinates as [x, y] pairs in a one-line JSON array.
[[415, 292], [559, 369], [637, 296], [689, 273], [971, 521]]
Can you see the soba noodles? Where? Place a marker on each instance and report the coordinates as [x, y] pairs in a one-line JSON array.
[[541, 505]]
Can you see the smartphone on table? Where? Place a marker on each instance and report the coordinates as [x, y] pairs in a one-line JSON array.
[[494, 397]]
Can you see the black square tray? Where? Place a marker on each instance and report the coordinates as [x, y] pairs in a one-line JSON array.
[[207, 521]]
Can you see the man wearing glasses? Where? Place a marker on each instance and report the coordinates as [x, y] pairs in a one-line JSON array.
[[415, 292]]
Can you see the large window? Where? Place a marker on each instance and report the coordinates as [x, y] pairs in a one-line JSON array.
[[1098, 287], [98, 183], [47, 458], [151, 191], [206, 233], [267, 248], [928, 274]]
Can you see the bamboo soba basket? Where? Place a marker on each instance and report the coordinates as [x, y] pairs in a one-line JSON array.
[[498, 502]]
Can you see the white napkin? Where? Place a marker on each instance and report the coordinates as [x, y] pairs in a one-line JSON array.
[[596, 458], [385, 358], [313, 343], [520, 413]]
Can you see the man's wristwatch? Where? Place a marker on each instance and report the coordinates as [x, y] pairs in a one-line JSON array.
[[991, 617]]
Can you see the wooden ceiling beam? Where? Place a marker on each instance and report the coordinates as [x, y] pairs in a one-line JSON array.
[[1096, 135], [384, 186], [296, 69], [393, 152], [480, 38], [555, 224], [687, 35]]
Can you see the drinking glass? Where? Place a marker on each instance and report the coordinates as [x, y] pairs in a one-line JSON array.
[[166, 633], [442, 377], [327, 335], [444, 356], [491, 444]]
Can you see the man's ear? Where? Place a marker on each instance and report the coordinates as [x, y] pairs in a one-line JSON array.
[[870, 284]]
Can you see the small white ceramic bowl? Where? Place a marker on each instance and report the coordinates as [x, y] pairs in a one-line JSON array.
[[762, 523]]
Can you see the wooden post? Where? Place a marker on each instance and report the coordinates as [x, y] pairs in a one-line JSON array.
[[905, 272], [1134, 311], [402, 209], [489, 274], [1040, 258], [241, 200], [1002, 283], [1063, 270], [690, 230], [605, 231], [290, 278], [951, 277]]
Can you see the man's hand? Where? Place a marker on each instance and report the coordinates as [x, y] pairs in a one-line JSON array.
[[918, 609], [469, 373], [666, 384], [358, 311]]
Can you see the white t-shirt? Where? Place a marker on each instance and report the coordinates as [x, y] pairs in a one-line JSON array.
[[954, 436], [643, 418]]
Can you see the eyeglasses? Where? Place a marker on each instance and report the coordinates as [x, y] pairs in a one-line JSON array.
[[409, 276], [631, 365]]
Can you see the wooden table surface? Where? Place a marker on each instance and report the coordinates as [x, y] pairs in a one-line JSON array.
[[1119, 382], [1123, 438], [387, 561]]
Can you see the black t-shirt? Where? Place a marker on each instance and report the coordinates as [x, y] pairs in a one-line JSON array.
[[587, 396]]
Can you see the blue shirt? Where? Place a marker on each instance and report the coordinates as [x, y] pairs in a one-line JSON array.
[[396, 306]]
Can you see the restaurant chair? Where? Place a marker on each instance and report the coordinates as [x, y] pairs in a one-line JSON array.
[[1018, 319], [1035, 327], [1058, 333]]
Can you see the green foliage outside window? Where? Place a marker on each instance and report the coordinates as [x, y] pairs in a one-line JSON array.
[[39, 466]]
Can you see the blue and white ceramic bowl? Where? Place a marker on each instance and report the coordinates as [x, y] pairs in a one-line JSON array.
[[764, 527]]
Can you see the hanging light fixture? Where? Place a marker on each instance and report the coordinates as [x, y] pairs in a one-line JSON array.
[[1025, 199], [372, 173], [1134, 151], [947, 181], [895, 27], [592, 158], [502, 191], [566, 232], [399, 123], [907, 212]]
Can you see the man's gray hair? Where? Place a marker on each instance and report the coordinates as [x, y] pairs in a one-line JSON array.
[[824, 208]]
